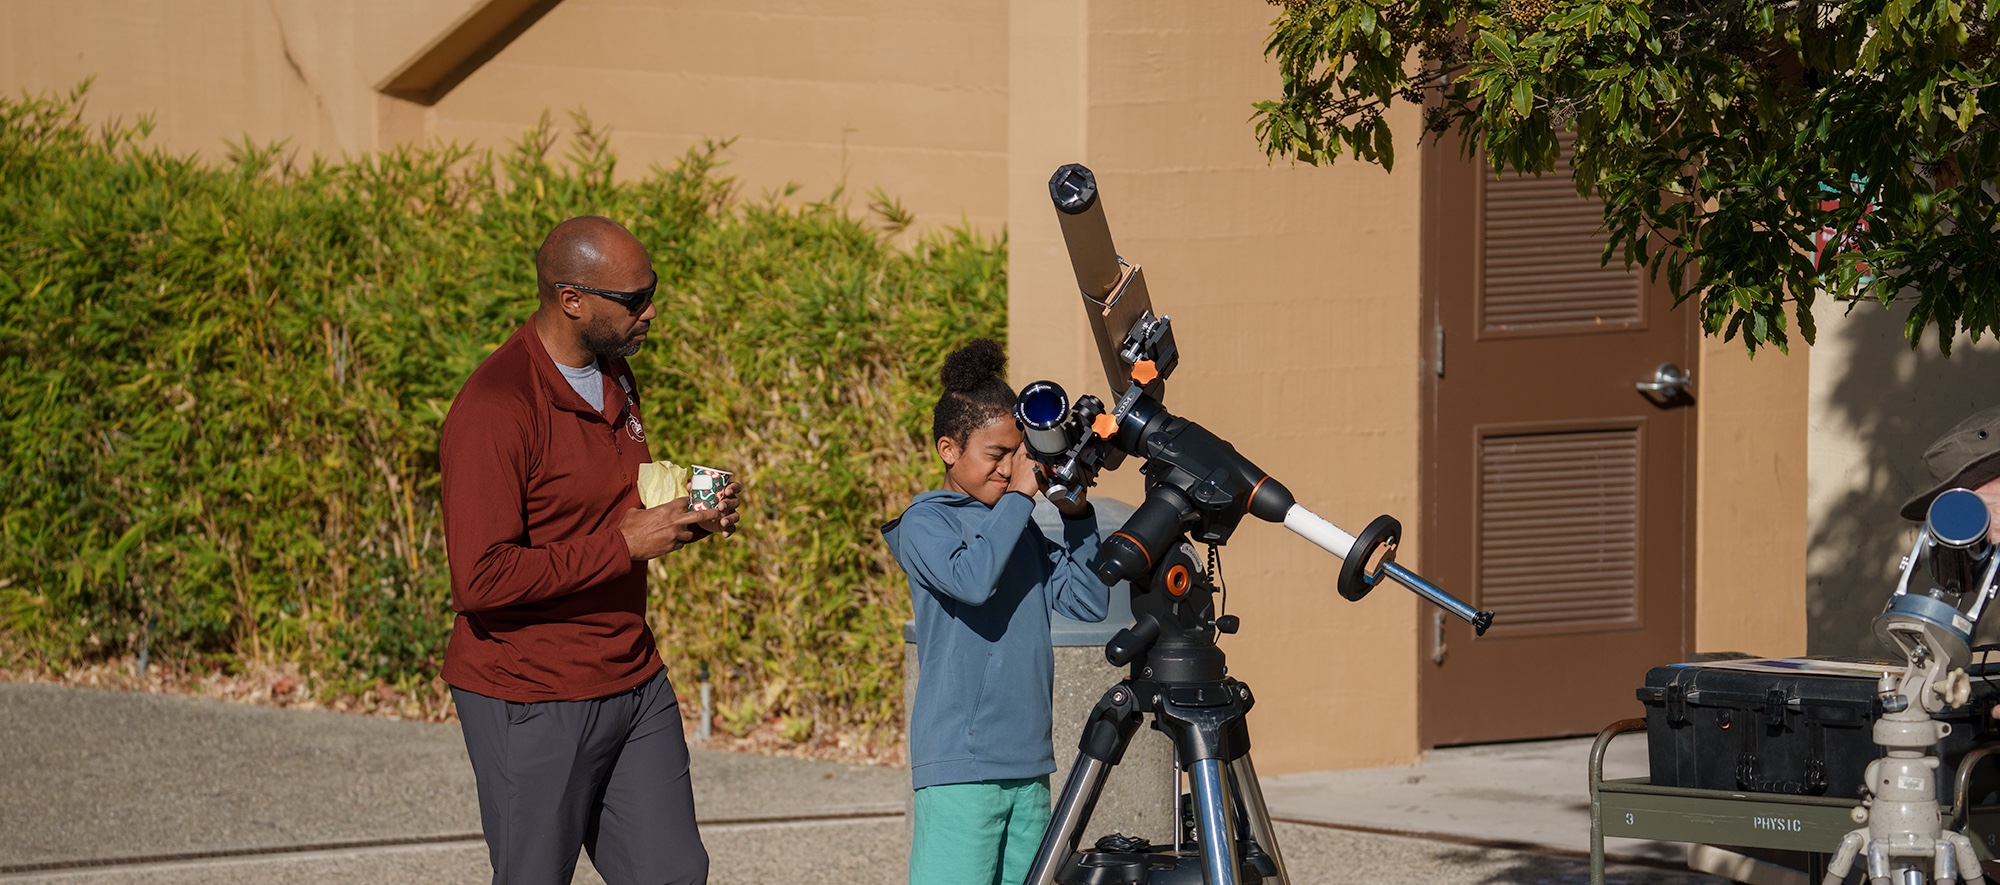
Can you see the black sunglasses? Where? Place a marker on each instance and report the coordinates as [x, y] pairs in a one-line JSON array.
[[634, 301]]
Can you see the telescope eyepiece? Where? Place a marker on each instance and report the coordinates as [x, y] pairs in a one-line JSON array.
[[1042, 410], [1074, 189]]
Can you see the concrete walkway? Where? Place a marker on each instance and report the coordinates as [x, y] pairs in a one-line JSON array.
[[1534, 793], [134, 789]]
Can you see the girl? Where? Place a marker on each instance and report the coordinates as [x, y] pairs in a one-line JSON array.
[[982, 582]]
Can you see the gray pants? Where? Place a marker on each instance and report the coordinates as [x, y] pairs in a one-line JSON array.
[[609, 775]]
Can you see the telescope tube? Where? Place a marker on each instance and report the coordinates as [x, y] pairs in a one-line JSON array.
[[1957, 523], [1074, 190]]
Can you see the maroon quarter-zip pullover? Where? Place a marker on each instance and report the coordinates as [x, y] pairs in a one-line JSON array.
[[550, 604]]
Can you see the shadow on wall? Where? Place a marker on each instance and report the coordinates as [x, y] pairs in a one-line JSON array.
[[1880, 405]]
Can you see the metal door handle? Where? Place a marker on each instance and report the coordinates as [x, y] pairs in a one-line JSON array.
[[1668, 381]]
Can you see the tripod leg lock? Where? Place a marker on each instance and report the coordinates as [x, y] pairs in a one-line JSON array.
[[1111, 725]]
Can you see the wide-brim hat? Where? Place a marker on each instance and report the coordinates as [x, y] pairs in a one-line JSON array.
[[1966, 456]]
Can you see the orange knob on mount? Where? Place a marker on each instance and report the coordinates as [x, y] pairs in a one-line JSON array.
[[1177, 581], [1104, 425]]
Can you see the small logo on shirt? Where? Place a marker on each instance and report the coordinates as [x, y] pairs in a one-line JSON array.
[[632, 425]]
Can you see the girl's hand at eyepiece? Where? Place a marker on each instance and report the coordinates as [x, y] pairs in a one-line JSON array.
[[1025, 476]]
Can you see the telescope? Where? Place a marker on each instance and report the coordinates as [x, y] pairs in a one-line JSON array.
[[1951, 549], [1198, 489], [1196, 482]]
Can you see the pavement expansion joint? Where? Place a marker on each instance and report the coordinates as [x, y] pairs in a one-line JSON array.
[[737, 822], [223, 853]]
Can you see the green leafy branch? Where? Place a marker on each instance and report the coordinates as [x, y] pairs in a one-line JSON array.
[[1729, 140]]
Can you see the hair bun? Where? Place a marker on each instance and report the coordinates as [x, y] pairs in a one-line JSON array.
[[973, 365]]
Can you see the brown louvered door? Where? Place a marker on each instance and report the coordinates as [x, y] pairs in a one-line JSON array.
[[1556, 493]]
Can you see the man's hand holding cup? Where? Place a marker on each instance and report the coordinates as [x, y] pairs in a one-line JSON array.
[[713, 493]]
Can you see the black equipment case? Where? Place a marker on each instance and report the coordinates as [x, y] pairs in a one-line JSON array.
[[1802, 726]]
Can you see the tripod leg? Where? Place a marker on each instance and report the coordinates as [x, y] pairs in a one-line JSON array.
[[1106, 734], [1968, 861], [1256, 814], [1179, 807], [1215, 822], [1079, 797], [1844, 857]]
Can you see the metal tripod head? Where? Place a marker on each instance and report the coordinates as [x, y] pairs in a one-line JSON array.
[[1174, 623]]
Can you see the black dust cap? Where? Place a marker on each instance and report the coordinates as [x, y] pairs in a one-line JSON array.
[[1073, 189]]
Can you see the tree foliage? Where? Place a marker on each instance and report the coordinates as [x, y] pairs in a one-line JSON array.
[[1729, 140]]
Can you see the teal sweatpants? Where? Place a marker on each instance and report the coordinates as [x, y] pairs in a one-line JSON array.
[[983, 833]]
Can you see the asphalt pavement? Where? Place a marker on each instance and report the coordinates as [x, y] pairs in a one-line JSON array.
[[127, 788]]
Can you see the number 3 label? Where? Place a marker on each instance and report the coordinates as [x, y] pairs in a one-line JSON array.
[[1628, 818]]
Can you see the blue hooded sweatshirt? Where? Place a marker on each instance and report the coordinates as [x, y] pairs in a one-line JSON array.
[[982, 582]]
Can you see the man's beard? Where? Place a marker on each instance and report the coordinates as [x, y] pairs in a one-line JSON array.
[[601, 340]]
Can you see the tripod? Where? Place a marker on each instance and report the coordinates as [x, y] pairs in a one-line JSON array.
[[1179, 678], [1903, 840]]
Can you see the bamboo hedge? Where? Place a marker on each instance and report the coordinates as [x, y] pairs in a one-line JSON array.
[[221, 387]]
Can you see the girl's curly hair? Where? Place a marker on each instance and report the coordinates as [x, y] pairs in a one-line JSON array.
[[975, 391]]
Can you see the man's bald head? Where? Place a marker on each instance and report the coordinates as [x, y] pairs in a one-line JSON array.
[[582, 250]]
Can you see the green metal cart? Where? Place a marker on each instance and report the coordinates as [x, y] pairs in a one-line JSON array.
[[1634, 808]]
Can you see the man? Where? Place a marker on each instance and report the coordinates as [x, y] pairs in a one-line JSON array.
[[1965, 457], [572, 726]]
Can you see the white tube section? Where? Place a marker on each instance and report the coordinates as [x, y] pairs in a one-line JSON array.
[[1325, 535]]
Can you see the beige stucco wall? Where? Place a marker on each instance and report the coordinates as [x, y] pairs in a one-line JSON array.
[[899, 94], [1750, 499], [1876, 404], [904, 95], [215, 71], [1294, 294]]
